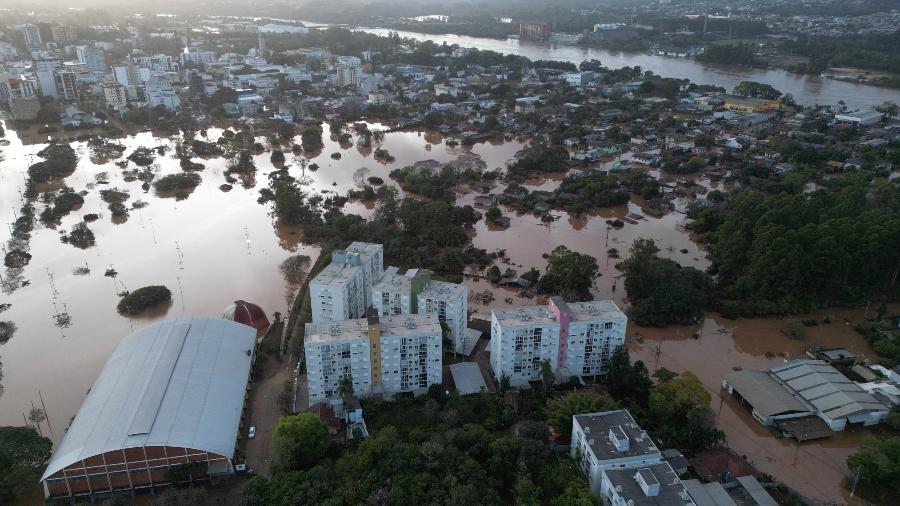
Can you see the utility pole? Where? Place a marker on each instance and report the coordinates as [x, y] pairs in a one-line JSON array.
[[46, 416], [855, 480]]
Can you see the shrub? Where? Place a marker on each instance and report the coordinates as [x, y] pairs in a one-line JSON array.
[[181, 182], [142, 299]]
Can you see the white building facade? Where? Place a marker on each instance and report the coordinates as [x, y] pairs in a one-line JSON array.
[[343, 290], [576, 339], [381, 356], [450, 302]]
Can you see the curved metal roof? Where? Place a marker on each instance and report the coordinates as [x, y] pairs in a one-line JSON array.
[[177, 383]]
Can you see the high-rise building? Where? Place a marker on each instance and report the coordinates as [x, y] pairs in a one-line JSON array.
[[385, 355], [16, 87], [115, 96], [66, 85], [416, 293], [349, 71], [576, 339], [92, 57], [343, 290], [63, 34], [32, 35], [44, 70]]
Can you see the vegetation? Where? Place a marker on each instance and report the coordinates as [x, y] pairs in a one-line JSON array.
[[756, 90], [294, 268], [877, 464], [311, 138], [792, 252], [299, 442], [179, 184], [140, 300], [437, 449], [569, 274], [23, 455], [80, 236], [561, 410], [142, 156], [730, 54], [661, 290], [540, 157], [59, 162]]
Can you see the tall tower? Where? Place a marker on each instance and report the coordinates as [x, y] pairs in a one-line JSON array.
[[261, 45]]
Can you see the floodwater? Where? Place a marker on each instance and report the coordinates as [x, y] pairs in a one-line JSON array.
[[209, 249], [807, 90], [815, 468]]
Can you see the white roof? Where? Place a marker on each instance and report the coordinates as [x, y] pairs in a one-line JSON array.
[[468, 378], [174, 383]]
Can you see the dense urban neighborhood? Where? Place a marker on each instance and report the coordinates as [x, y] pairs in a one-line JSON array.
[[399, 253]]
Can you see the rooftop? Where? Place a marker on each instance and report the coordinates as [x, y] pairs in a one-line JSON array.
[[342, 330], [671, 491], [410, 325], [335, 274], [596, 427], [595, 310], [766, 395], [442, 290], [524, 316], [393, 282], [468, 378], [829, 391], [364, 249], [174, 383]]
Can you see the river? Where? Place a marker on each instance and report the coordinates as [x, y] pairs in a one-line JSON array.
[[807, 90]]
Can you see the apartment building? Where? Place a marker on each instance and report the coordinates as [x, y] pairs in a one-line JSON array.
[[63, 34], [450, 302], [610, 440], [115, 96], [414, 292], [32, 35], [386, 356], [653, 485], [349, 71], [343, 290], [44, 71], [92, 57], [576, 339], [66, 85]]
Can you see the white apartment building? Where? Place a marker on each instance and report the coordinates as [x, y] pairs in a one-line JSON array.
[[63, 34], [349, 70], [16, 87], [44, 72], [382, 356], [653, 485], [115, 96], [610, 440], [414, 292], [93, 58], [450, 302], [343, 290], [195, 55], [576, 339]]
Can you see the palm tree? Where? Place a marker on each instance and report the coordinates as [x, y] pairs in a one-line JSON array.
[[345, 387]]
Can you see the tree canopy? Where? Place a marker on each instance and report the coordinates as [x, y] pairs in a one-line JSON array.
[[23, 455], [569, 274], [299, 442], [661, 290], [561, 410]]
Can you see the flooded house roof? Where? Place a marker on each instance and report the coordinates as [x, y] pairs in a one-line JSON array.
[[829, 391], [766, 395], [176, 383]]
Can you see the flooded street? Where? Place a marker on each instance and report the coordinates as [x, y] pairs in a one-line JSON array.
[[814, 468]]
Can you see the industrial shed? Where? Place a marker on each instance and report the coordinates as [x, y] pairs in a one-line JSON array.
[[167, 407]]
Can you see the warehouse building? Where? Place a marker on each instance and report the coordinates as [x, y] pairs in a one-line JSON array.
[[167, 408], [791, 395]]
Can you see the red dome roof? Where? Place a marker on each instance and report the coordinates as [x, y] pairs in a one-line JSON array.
[[247, 313]]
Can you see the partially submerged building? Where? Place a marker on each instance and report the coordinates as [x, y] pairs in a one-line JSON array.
[[168, 407], [791, 395]]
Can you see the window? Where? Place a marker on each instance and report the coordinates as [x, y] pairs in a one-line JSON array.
[[608, 325]]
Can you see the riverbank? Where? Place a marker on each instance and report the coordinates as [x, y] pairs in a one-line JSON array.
[[807, 89]]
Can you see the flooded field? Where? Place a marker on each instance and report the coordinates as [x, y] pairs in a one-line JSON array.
[[814, 468]]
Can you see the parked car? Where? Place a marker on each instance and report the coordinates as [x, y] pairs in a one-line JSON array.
[[252, 433]]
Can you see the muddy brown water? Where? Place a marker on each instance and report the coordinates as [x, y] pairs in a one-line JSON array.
[[215, 247], [815, 468]]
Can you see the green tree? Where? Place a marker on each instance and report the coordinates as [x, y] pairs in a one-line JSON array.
[[569, 274], [299, 442], [561, 410], [878, 464], [23, 455], [493, 213], [756, 90], [628, 383], [661, 290]]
